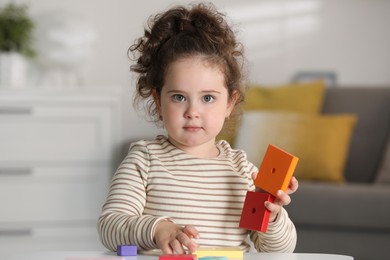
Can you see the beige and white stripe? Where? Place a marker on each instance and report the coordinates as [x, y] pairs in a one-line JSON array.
[[158, 181]]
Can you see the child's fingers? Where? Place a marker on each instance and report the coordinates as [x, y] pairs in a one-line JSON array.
[[191, 231], [254, 175], [173, 239], [186, 241], [177, 246], [283, 198], [293, 185], [166, 249], [273, 207]]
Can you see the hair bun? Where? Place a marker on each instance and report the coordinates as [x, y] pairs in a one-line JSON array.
[[186, 25]]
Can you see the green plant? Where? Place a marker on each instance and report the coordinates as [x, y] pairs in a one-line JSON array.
[[16, 29]]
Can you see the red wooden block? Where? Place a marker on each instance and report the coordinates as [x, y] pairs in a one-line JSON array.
[[276, 170], [255, 215], [177, 257]]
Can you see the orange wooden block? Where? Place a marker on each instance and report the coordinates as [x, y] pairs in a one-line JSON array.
[[276, 170], [255, 216]]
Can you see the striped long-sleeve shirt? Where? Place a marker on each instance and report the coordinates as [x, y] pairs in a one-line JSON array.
[[158, 181]]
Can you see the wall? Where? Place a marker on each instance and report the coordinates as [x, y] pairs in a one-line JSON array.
[[348, 37]]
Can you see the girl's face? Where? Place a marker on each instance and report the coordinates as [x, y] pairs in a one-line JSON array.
[[193, 104]]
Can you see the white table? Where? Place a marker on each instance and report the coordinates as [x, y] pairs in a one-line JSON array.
[[93, 255]]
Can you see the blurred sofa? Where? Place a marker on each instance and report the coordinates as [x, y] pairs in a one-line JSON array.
[[352, 217], [348, 216]]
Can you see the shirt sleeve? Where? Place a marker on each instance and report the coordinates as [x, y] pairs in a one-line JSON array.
[[280, 237], [121, 221]]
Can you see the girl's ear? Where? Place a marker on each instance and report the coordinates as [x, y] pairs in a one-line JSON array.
[[157, 100], [231, 103]]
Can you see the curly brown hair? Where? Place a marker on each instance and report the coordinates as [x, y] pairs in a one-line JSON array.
[[180, 32]]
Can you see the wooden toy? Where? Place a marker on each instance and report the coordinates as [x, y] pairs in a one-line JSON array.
[[255, 216], [177, 257], [229, 252], [276, 170], [126, 250], [213, 258]]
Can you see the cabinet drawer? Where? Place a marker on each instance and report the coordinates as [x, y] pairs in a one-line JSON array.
[[58, 238], [59, 132], [52, 194]]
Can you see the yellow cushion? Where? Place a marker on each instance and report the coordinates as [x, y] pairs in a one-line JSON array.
[[297, 97], [320, 142], [294, 97]]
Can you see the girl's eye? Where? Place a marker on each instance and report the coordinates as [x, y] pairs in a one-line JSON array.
[[178, 97], [208, 98]]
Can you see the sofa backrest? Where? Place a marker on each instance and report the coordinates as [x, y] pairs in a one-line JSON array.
[[372, 107]]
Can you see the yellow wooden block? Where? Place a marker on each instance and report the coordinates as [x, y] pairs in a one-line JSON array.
[[229, 252]]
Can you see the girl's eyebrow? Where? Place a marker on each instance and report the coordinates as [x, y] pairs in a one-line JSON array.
[[211, 91], [203, 91], [175, 91]]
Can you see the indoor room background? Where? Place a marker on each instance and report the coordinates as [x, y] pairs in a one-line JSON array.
[[282, 38], [81, 46]]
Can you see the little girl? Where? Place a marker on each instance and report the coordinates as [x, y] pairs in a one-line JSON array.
[[186, 189]]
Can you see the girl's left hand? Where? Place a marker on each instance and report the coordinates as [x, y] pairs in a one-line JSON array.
[[282, 198]]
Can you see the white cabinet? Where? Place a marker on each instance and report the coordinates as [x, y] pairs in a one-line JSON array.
[[47, 194], [57, 154]]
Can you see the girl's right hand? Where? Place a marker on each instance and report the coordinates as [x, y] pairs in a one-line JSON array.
[[172, 238]]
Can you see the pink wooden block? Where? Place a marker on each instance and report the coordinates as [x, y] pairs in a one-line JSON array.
[[177, 257]]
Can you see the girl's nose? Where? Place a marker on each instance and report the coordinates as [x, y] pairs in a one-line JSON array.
[[192, 111]]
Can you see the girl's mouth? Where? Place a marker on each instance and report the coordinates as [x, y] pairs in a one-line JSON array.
[[192, 128]]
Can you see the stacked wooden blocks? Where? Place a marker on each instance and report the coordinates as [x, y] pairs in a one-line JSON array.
[[274, 174]]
